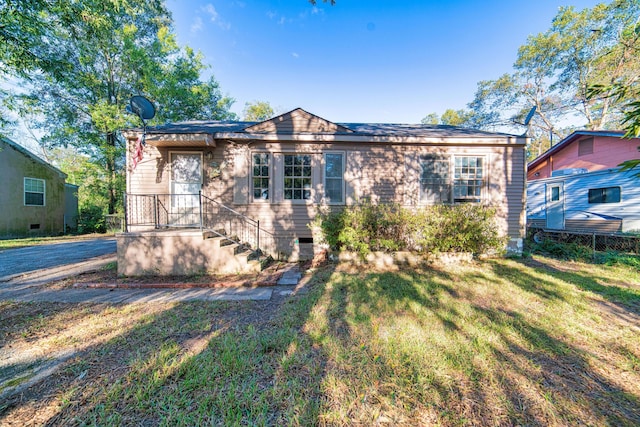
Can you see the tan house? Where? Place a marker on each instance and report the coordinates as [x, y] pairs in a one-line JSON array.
[[34, 197], [263, 183]]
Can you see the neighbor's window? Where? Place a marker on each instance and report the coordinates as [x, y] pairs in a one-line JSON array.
[[334, 177], [34, 192], [297, 177], [435, 185], [585, 146], [604, 195], [260, 176], [468, 179]]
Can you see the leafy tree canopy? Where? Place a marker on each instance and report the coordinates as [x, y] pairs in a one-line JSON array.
[[257, 111], [81, 61]]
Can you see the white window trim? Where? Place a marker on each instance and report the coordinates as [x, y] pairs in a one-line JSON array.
[[271, 177], [452, 163], [325, 200], [279, 183], [485, 177], [24, 191]]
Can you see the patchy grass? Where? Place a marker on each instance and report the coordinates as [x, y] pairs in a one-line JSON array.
[[34, 241], [502, 342]]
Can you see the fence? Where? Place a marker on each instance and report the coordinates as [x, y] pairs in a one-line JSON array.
[[598, 242]]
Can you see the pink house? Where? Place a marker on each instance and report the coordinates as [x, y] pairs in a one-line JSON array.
[[590, 150]]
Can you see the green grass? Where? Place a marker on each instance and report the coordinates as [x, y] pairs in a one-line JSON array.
[[502, 342], [33, 241]]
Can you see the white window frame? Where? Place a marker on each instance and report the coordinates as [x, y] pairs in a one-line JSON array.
[[312, 165], [44, 191], [324, 176], [483, 187], [270, 188]]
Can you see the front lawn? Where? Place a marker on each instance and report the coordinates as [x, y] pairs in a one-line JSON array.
[[501, 342]]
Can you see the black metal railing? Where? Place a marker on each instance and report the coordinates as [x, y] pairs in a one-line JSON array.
[[192, 211]]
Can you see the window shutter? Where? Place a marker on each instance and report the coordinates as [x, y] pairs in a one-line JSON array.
[[412, 179], [241, 178]]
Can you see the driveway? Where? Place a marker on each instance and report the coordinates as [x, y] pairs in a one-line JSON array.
[[24, 260]]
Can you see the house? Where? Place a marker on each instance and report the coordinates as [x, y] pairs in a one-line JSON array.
[[584, 150], [577, 185], [34, 197], [263, 183]]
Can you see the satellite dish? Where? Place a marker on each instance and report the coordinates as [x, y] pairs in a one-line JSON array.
[[142, 107], [529, 116]]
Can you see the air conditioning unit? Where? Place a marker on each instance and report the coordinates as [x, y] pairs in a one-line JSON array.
[[570, 171]]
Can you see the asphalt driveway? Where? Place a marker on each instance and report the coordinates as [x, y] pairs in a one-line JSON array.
[[24, 260]]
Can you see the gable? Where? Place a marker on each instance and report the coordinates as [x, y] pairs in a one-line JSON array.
[[297, 121]]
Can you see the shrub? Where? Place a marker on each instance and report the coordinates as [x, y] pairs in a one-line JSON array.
[[369, 227], [91, 220]]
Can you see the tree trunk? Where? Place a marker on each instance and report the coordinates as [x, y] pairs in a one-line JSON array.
[[111, 171]]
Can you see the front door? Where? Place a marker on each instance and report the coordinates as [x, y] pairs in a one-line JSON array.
[[555, 206], [186, 182]]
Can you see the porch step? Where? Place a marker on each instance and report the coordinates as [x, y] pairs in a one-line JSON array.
[[182, 252]]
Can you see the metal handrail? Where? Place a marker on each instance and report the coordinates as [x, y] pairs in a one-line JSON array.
[[153, 209]]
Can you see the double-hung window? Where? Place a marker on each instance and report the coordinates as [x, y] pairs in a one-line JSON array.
[[334, 177], [468, 178], [297, 177], [435, 184], [261, 176], [34, 192]]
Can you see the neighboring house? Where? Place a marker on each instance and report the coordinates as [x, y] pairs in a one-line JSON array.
[[34, 197], [276, 175], [577, 185], [584, 150]]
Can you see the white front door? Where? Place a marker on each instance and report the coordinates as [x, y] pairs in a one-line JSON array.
[[186, 182], [555, 206]]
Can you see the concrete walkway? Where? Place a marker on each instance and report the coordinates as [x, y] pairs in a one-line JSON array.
[[29, 287]]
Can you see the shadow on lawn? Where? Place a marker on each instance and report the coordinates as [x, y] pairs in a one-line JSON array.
[[491, 365], [192, 364]]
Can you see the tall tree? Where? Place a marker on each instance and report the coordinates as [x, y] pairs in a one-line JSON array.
[[257, 111], [81, 62], [555, 69]]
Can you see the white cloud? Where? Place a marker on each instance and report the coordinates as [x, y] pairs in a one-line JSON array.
[[271, 14], [196, 26], [282, 20], [214, 16], [211, 11], [295, 55]]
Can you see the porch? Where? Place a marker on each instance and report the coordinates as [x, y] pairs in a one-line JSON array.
[[185, 234]]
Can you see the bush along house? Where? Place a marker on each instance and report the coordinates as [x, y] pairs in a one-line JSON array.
[[203, 195]]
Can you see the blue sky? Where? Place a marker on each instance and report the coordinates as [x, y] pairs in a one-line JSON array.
[[360, 61]]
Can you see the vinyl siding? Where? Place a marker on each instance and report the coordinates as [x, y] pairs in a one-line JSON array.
[[373, 171]]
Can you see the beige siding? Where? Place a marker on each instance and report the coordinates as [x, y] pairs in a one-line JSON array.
[[18, 219], [299, 122], [379, 172]]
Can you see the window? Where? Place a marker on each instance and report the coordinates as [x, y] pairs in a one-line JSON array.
[[435, 185], [585, 146], [468, 179], [333, 177], [297, 177], [555, 194], [34, 192], [260, 176], [604, 195]]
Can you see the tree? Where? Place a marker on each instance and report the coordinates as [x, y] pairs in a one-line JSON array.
[[257, 111], [555, 69], [81, 62], [450, 117]]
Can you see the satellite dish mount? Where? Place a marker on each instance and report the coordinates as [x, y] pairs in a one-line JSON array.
[[527, 120], [144, 109]]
